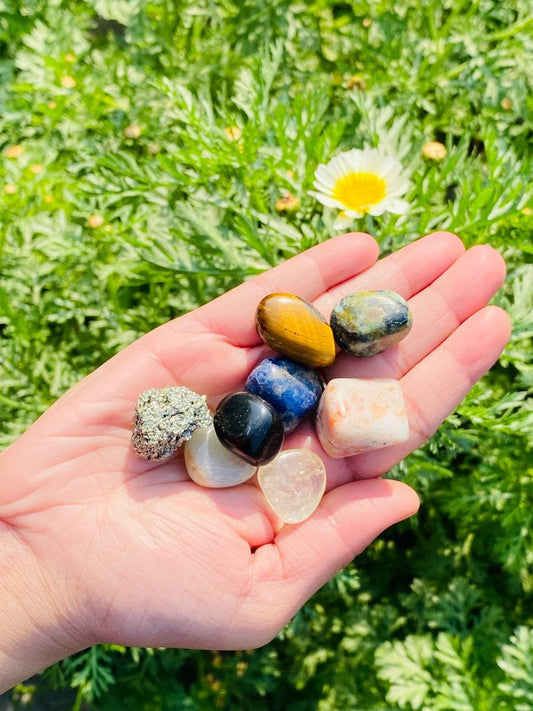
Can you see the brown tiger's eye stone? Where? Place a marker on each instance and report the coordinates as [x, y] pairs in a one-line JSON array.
[[293, 327]]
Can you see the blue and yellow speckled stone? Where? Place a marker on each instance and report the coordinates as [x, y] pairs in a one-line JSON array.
[[371, 321], [293, 327]]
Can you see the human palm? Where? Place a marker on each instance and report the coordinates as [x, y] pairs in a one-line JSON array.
[[133, 552]]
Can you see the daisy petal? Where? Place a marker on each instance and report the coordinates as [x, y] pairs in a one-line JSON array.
[[377, 210], [325, 200], [342, 221], [399, 207], [359, 182], [353, 213], [324, 187], [397, 187]]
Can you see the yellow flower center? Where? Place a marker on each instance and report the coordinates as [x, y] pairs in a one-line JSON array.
[[359, 191]]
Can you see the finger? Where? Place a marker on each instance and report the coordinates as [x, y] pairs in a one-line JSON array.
[[236, 326], [232, 316], [438, 310], [407, 271], [307, 275], [436, 386], [304, 556]]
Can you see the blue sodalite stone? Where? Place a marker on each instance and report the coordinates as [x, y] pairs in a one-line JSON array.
[[291, 388]]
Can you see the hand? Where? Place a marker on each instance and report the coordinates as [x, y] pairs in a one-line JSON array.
[[99, 546]]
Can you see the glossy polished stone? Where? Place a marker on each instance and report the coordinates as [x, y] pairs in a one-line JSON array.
[[294, 328], [293, 484], [357, 415], [249, 426], [371, 321], [291, 388], [210, 464], [165, 418]]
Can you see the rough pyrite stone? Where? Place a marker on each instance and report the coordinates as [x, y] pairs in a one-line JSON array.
[[293, 327], [357, 415], [371, 321], [291, 388], [165, 418]]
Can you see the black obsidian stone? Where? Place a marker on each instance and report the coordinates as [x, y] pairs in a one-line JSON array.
[[249, 426]]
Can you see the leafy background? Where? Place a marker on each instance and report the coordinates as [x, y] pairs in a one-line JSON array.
[[156, 140]]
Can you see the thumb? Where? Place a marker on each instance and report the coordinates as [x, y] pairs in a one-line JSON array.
[[303, 557]]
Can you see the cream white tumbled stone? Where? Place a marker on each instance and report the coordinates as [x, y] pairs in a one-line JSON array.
[[293, 484], [210, 464], [357, 415]]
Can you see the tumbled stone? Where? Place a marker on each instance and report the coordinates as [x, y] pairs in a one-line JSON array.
[[293, 484], [371, 321], [291, 388], [294, 328], [164, 418], [249, 427], [356, 415], [210, 464]]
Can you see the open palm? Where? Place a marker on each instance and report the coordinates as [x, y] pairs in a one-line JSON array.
[[135, 553]]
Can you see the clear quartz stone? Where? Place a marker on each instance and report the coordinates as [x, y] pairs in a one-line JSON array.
[[210, 464], [293, 484]]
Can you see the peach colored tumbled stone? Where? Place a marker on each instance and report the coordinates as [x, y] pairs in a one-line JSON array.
[[357, 415], [293, 484]]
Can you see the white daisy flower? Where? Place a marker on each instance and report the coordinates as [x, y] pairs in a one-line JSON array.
[[361, 182]]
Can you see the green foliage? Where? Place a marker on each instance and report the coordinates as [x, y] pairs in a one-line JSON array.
[[180, 125], [517, 663], [423, 672]]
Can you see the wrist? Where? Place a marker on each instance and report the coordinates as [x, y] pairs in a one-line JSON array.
[[35, 632]]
